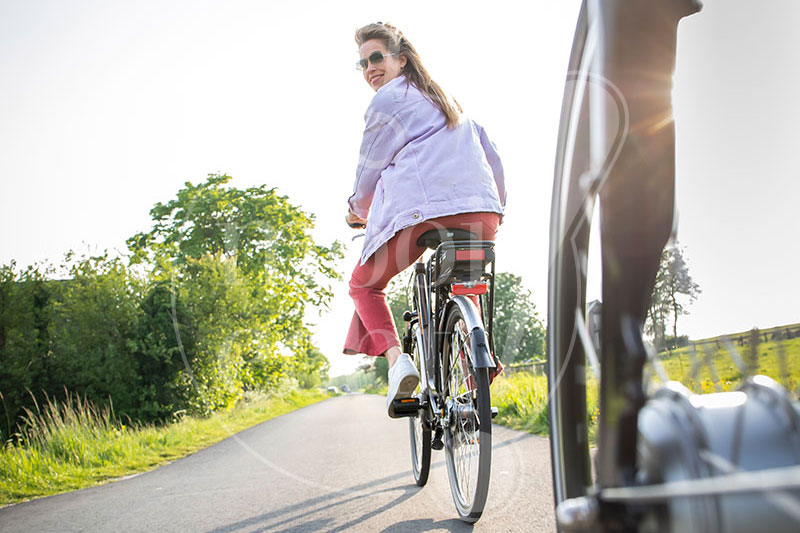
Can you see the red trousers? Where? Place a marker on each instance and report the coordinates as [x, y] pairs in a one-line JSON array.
[[372, 330]]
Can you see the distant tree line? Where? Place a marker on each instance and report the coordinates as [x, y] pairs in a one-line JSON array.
[[209, 304]]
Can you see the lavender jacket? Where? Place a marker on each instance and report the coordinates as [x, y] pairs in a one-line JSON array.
[[413, 168]]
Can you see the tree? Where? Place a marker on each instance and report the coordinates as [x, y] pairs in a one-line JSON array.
[[672, 288], [658, 310], [240, 267], [678, 282], [92, 333], [210, 305], [266, 235], [518, 332], [24, 340], [311, 366], [77, 334]]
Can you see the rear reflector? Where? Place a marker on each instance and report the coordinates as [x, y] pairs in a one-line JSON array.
[[471, 255], [463, 289]]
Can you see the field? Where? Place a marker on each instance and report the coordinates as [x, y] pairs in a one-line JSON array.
[[707, 365], [713, 365]]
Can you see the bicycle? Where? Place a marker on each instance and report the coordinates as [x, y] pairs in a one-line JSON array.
[[445, 335], [666, 459]]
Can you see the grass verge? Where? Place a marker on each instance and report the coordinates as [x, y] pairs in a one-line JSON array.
[[75, 445], [521, 401]]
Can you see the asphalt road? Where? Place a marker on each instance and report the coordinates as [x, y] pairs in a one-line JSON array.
[[339, 465]]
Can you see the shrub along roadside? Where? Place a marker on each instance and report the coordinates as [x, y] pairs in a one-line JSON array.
[[72, 445], [207, 305]]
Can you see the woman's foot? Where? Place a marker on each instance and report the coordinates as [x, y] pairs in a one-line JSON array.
[[403, 380]]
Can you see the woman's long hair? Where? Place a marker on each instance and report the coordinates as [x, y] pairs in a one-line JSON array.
[[414, 72]]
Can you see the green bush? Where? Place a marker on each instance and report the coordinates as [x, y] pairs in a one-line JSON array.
[[210, 305]]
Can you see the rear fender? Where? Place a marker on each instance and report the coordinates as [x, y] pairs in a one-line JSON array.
[[477, 336]]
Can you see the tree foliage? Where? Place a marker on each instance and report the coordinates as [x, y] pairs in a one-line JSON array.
[[24, 339], [243, 266], [263, 232], [519, 334], [674, 290], [211, 304]]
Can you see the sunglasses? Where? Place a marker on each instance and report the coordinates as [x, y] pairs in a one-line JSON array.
[[376, 58]]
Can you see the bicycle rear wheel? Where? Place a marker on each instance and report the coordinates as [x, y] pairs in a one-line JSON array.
[[468, 437], [419, 431]]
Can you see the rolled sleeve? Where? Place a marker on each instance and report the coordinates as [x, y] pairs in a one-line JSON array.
[[384, 137]]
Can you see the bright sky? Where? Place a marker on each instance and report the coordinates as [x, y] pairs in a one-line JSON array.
[[109, 107]]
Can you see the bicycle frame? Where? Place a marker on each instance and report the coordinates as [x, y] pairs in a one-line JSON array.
[[452, 410], [620, 74], [637, 40], [430, 319]]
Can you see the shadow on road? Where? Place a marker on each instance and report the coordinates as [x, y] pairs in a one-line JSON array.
[[426, 524], [294, 514], [341, 497]]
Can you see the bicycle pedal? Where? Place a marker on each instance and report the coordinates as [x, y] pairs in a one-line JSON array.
[[494, 411], [406, 407]]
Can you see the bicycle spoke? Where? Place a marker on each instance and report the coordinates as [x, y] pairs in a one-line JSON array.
[[757, 481], [465, 448], [655, 361], [712, 369], [467, 399], [782, 500], [420, 436], [734, 353]]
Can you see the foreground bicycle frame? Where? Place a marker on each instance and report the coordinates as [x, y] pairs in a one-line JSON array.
[[452, 351], [658, 465]]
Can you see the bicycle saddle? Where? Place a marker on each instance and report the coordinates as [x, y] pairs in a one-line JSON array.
[[433, 238]]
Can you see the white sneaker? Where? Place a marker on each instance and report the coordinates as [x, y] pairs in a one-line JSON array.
[[403, 379]]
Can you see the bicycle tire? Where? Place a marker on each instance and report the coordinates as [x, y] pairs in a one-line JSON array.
[[636, 191], [419, 434], [468, 436]]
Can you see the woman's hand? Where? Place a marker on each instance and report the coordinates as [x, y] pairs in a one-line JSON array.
[[355, 221]]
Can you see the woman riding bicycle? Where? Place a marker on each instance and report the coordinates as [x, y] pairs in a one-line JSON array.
[[423, 166]]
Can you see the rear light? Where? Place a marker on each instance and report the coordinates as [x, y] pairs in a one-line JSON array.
[[464, 289], [471, 255]]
